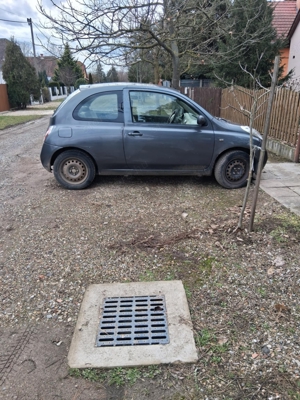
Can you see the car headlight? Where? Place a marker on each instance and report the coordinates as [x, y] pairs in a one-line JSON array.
[[254, 131]]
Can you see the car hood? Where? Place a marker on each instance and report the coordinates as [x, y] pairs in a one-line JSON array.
[[222, 124]]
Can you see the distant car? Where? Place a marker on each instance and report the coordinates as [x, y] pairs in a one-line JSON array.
[[139, 129]]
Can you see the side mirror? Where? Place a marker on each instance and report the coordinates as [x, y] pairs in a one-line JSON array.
[[201, 120]]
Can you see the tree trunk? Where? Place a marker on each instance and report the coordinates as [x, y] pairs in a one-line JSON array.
[[156, 73], [175, 65]]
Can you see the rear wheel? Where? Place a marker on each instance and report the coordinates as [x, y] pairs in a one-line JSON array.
[[232, 169], [74, 170]]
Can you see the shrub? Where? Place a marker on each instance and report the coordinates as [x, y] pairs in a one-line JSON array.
[[46, 94], [80, 81]]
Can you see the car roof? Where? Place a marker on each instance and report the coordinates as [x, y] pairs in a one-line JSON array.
[[123, 85]]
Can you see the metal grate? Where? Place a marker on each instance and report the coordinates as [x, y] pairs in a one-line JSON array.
[[132, 321]]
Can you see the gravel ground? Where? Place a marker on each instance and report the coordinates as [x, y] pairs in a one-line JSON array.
[[242, 288]]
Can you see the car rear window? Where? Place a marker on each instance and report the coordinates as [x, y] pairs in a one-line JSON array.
[[67, 99], [100, 107]]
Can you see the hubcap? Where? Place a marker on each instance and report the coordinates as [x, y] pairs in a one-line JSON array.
[[74, 170], [235, 170]]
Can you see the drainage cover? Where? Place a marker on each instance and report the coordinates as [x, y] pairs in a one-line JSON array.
[[131, 321]]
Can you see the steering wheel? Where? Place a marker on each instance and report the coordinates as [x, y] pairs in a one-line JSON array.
[[174, 116]]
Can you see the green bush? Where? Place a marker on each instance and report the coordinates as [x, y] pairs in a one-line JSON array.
[[54, 84], [19, 75], [80, 81], [46, 94], [18, 96]]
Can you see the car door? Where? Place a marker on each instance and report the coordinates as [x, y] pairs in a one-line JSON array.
[[99, 129], [163, 134]]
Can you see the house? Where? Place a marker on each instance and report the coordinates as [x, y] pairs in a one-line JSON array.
[[294, 38], [49, 63], [284, 15], [82, 66], [44, 63]]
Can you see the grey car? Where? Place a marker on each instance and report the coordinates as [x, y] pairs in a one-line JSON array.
[[139, 129]]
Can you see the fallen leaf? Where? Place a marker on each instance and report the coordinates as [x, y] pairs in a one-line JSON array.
[[279, 261], [255, 355], [270, 271], [222, 340], [281, 308]]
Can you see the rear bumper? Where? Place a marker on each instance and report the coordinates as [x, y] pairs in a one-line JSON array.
[[46, 155]]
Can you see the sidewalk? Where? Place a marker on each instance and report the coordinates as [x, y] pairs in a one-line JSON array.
[[38, 109], [282, 182]]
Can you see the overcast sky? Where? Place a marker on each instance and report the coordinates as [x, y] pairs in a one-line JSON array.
[[20, 10]]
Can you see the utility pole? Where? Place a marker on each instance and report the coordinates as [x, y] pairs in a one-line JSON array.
[[32, 37], [29, 20]]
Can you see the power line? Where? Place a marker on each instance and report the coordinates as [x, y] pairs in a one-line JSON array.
[[8, 11], [8, 20]]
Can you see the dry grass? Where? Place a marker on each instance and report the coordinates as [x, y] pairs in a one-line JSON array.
[[8, 121]]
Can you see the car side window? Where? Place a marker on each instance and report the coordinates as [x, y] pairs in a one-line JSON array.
[[102, 107], [153, 107]]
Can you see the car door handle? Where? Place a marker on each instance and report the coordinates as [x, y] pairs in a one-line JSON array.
[[134, 133]]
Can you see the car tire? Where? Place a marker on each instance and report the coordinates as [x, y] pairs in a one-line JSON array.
[[232, 169], [74, 170]]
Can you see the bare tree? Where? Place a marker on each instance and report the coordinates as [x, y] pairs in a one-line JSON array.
[[26, 48], [258, 98], [67, 76], [123, 75], [183, 29]]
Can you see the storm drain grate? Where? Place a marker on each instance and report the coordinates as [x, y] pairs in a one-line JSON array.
[[132, 321]]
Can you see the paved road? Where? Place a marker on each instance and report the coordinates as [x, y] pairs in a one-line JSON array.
[[282, 182]]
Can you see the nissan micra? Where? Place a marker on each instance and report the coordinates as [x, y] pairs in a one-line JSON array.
[[140, 129]]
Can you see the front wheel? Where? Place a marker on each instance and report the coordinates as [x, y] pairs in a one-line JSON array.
[[74, 170], [232, 169]]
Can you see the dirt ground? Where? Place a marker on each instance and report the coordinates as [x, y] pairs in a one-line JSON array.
[[242, 288]]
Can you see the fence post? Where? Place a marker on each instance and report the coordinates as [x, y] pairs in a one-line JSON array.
[[297, 151]]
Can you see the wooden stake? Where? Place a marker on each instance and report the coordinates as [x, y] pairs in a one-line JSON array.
[[264, 142]]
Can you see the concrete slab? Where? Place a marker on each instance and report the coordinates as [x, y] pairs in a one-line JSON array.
[[282, 182], [290, 202], [267, 175], [278, 192], [272, 183], [296, 190], [84, 353], [292, 182]]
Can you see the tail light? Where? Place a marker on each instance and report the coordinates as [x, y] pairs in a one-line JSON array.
[[48, 132]]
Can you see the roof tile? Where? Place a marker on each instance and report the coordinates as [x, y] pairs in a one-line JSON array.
[[284, 15]]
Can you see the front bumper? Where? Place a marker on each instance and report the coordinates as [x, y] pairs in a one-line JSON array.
[[256, 162]]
